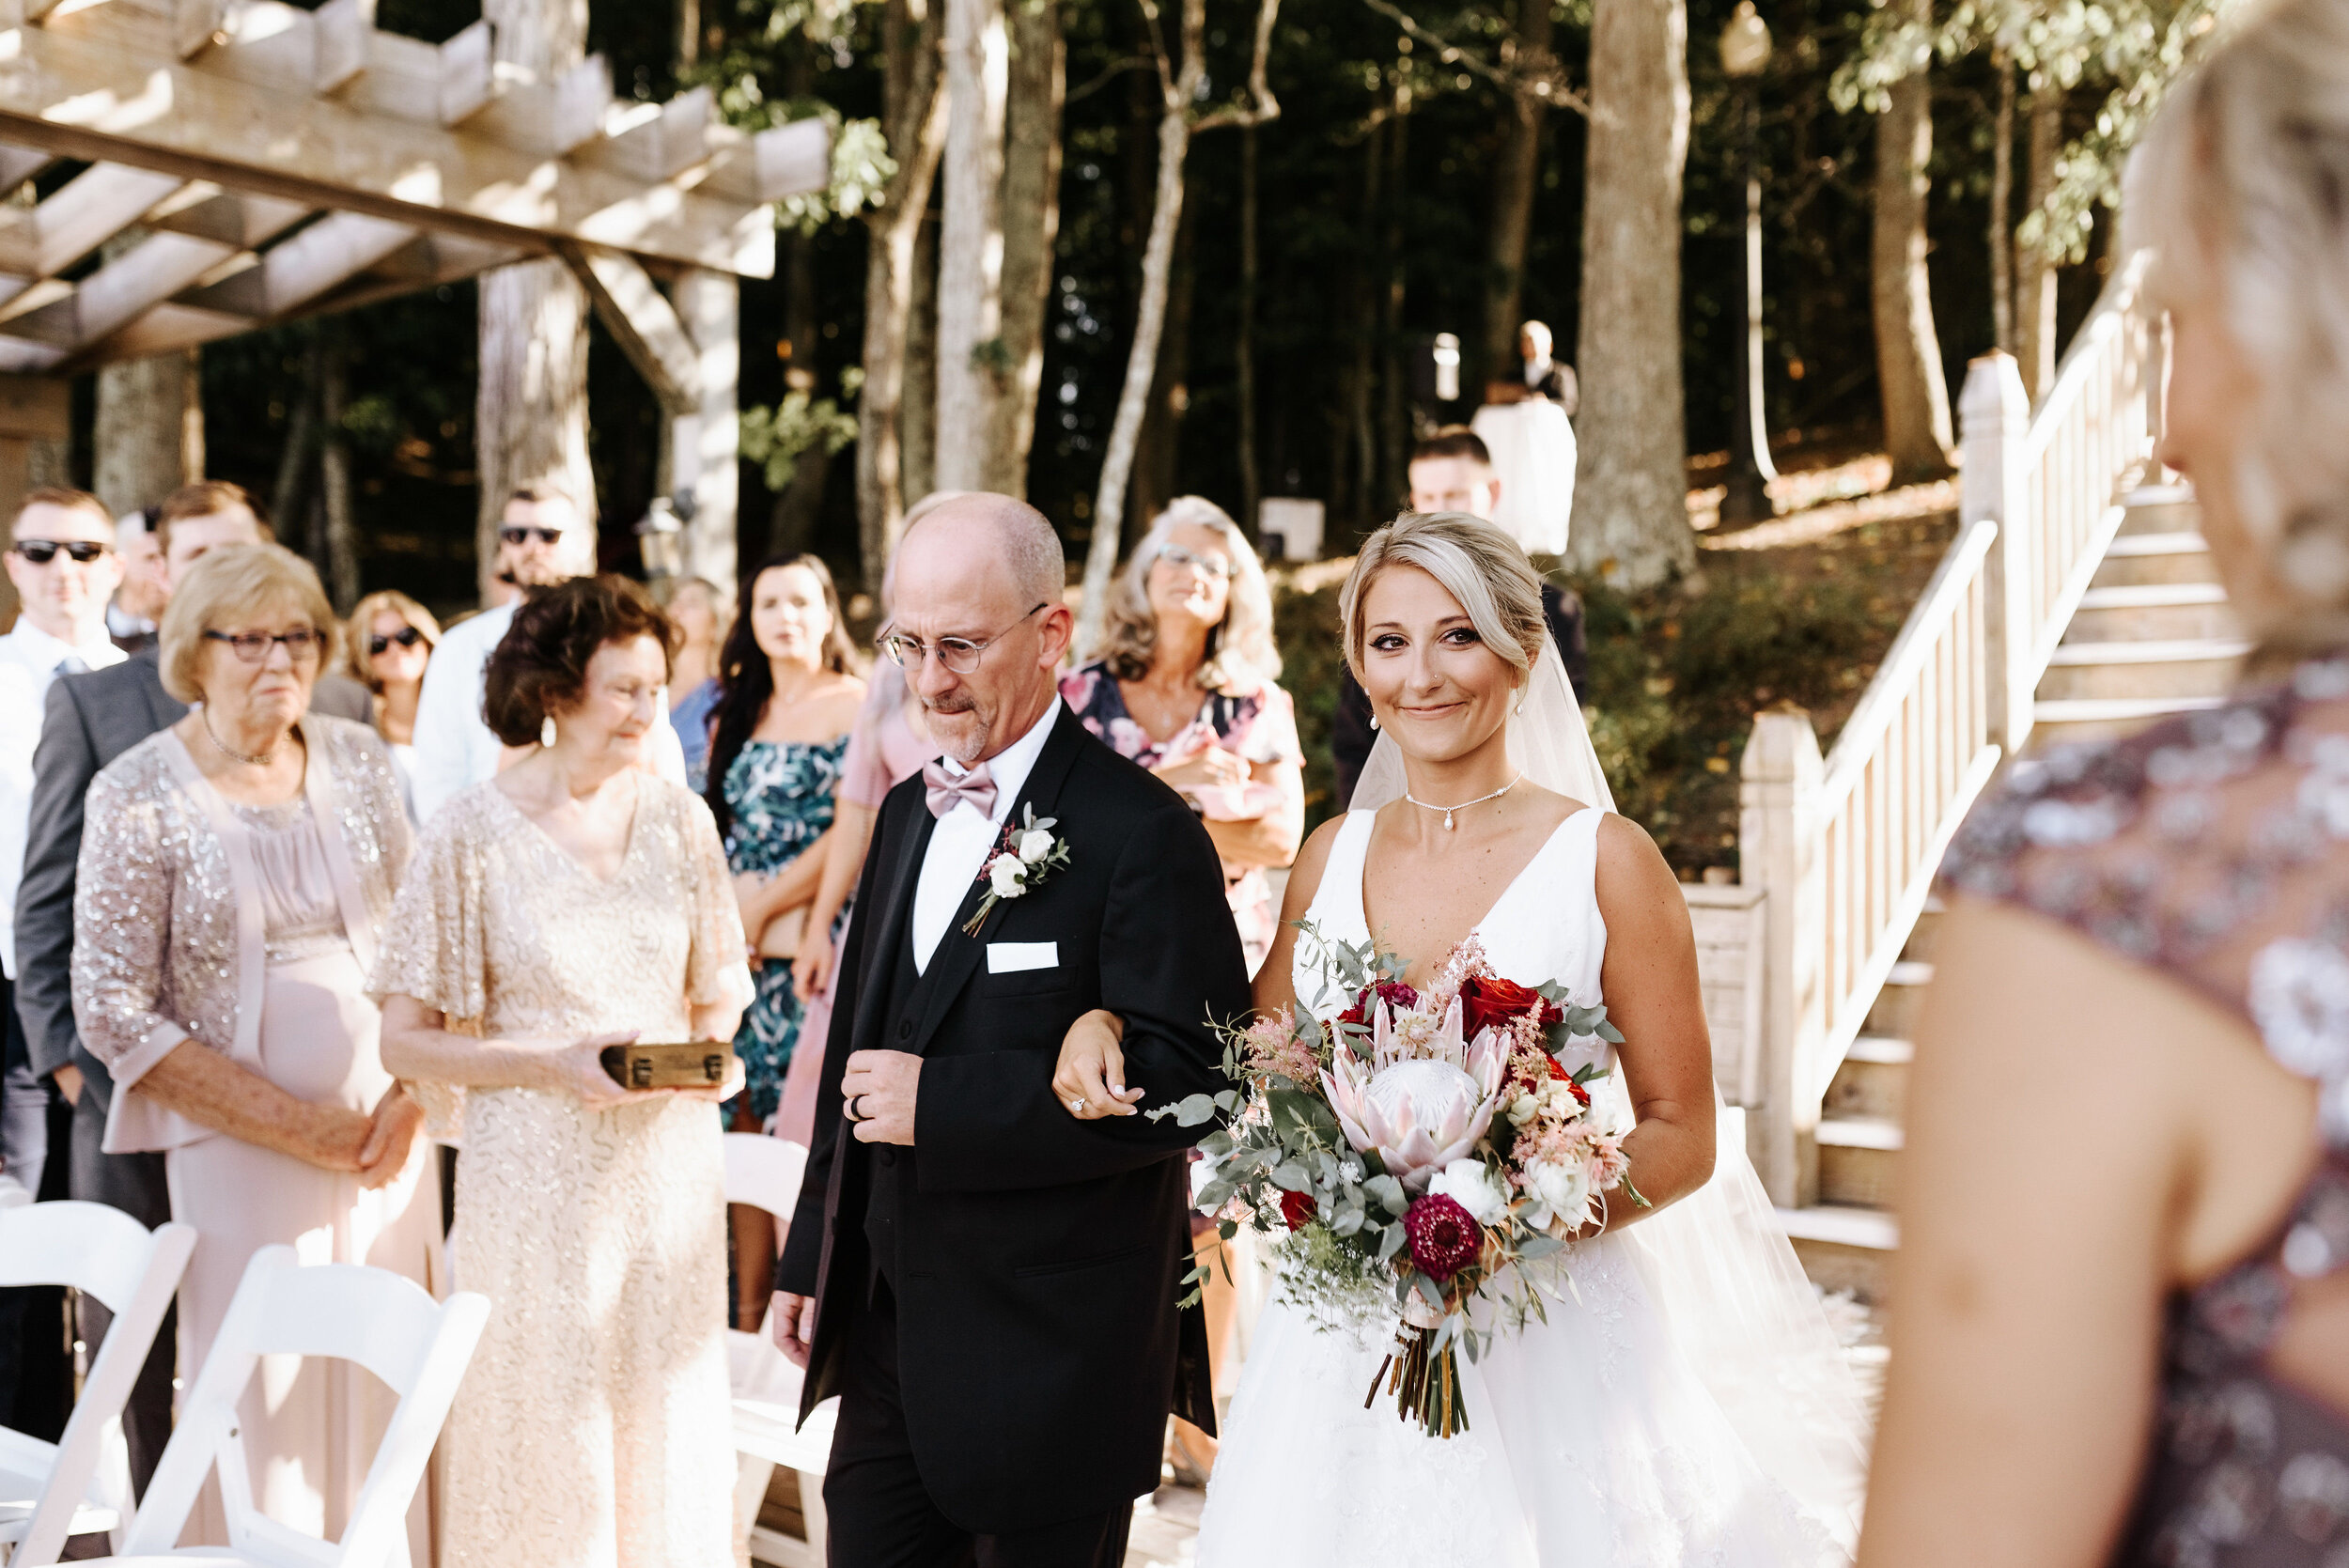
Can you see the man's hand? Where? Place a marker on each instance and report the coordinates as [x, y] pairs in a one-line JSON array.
[[876, 1094], [795, 1325], [68, 1081]]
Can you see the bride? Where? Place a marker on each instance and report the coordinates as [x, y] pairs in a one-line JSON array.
[[1685, 1402]]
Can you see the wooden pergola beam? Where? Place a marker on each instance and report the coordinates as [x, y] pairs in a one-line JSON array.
[[68, 94]]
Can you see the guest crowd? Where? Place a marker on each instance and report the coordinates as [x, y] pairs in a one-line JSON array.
[[309, 926]]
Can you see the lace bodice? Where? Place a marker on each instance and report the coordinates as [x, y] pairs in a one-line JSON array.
[[2215, 848]]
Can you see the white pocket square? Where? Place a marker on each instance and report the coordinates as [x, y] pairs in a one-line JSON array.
[[1011, 958]]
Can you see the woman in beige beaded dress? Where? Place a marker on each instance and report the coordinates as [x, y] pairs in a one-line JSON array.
[[572, 902], [234, 870]]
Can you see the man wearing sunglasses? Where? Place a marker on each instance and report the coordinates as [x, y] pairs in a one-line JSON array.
[[62, 561], [542, 540], [88, 719]]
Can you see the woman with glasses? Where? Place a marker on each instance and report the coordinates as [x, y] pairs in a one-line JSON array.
[[234, 871], [787, 697], [386, 644]]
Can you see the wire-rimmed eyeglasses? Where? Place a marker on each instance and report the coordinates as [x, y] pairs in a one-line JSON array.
[[959, 654], [303, 643]]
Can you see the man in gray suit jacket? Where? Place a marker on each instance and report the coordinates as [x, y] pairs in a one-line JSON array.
[[91, 720]]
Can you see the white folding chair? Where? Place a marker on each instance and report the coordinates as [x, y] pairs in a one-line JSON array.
[[765, 1171], [81, 1482], [418, 1346]]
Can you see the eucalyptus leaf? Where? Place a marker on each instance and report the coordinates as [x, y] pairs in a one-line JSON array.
[[1389, 1192], [1292, 1177], [1192, 1110], [1390, 1242]]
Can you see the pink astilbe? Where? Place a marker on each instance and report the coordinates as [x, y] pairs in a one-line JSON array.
[[1273, 1046]]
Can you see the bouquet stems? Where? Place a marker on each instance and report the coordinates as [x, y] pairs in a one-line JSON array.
[[1427, 1389]]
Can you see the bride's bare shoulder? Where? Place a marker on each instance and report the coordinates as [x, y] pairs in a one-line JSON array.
[[1313, 857]]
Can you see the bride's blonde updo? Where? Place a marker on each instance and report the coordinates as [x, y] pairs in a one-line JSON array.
[[2242, 188], [1475, 561]]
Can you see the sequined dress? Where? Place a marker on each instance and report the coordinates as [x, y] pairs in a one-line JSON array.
[[2215, 848], [782, 795], [594, 1427]]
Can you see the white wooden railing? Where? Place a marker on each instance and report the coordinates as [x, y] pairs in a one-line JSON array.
[[1845, 846]]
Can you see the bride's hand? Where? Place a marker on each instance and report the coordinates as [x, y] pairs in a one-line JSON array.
[[1090, 1081]]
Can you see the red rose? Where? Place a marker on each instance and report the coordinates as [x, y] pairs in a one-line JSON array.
[[1394, 992], [1445, 1237], [1489, 1000], [1297, 1208]]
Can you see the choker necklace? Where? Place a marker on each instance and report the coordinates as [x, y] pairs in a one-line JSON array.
[[250, 761], [1463, 805]]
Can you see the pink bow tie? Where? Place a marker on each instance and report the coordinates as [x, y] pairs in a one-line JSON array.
[[943, 790]]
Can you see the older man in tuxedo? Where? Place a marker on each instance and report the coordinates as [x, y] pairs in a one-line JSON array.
[[988, 1282], [89, 720]]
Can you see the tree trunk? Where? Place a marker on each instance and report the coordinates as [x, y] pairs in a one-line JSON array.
[[148, 440], [914, 113], [792, 522], [1159, 449], [297, 457], [342, 528], [1916, 394], [1244, 346], [1631, 513], [689, 32], [2035, 272], [921, 418], [530, 413], [1031, 219], [1514, 178], [1158, 264], [970, 372], [2002, 206]]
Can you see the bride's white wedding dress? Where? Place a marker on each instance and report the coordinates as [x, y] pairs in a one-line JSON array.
[[1639, 1427]]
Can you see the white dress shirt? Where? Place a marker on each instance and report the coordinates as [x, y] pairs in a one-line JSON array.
[[29, 660], [454, 748], [963, 839]]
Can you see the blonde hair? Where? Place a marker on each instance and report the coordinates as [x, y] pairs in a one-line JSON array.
[[230, 584], [1474, 562], [1240, 650], [361, 626], [2239, 187]]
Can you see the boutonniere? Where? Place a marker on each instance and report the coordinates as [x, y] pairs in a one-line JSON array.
[[1023, 858]]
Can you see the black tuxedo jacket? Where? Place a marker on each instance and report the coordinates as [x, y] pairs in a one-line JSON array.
[[1037, 1257]]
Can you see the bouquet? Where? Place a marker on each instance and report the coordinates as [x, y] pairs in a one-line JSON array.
[[1415, 1153]]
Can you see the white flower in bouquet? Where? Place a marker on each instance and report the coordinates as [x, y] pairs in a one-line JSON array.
[[1032, 844], [1565, 1189], [1419, 1111], [1007, 875], [1475, 1186]]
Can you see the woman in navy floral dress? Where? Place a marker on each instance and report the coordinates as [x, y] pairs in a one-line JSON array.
[[787, 700]]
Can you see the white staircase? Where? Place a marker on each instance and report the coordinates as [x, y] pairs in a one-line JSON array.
[[2071, 604]]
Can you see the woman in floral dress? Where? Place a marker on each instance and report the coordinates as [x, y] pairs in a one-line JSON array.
[[787, 703]]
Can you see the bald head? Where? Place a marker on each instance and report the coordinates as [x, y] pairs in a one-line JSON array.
[[987, 569]]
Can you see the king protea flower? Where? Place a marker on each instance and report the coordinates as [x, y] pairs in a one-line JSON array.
[[1418, 1105]]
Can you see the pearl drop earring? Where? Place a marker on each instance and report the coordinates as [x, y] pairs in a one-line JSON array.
[[546, 731], [1373, 720]]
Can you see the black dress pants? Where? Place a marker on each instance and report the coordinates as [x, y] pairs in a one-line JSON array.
[[35, 1358], [133, 1184], [880, 1515]]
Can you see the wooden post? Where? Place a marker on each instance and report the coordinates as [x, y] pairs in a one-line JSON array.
[[1780, 851], [31, 410], [707, 441], [1994, 414]]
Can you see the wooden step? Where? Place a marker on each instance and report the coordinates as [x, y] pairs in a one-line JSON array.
[[2171, 667], [2160, 509], [1844, 1248], [1873, 1081], [1857, 1158], [2137, 560], [2059, 723], [2157, 611], [1893, 1015]]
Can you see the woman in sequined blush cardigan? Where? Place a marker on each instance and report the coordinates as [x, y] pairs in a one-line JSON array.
[[234, 870], [2122, 1330]]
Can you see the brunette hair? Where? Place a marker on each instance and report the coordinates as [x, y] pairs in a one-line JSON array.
[[746, 681], [1453, 441], [204, 499], [360, 625], [58, 495], [540, 667]]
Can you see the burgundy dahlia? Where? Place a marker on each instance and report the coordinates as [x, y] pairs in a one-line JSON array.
[[1394, 993], [1445, 1238]]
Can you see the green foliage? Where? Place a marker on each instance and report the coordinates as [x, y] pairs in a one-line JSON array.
[[775, 437]]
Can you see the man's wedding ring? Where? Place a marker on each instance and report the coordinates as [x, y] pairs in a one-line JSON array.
[[1078, 1103], [853, 1114]]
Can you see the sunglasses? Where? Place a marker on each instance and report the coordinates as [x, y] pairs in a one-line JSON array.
[[406, 637], [42, 552], [303, 643], [516, 534]]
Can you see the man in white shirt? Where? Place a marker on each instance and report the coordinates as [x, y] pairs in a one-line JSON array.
[[138, 603], [542, 540], [63, 561]]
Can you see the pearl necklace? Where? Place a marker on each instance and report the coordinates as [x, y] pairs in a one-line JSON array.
[[1464, 805], [227, 751]]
